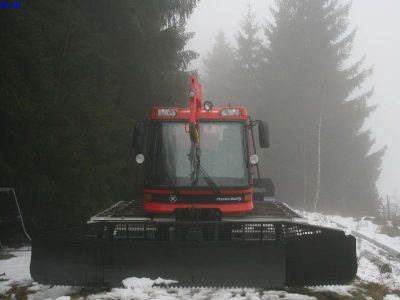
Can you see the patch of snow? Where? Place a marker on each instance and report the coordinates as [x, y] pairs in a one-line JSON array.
[[284, 295], [153, 292], [134, 282], [362, 225], [369, 272], [52, 292], [35, 287], [342, 290], [16, 270], [391, 297]]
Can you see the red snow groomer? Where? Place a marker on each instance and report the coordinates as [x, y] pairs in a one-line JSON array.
[[206, 217]]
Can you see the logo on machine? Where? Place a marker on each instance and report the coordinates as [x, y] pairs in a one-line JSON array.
[[232, 198], [172, 198]]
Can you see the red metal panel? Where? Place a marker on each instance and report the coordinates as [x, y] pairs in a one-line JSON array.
[[214, 114], [199, 192], [225, 208]]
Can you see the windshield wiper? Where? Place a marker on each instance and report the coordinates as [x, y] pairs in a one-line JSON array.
[[194, 158], [207, 178]]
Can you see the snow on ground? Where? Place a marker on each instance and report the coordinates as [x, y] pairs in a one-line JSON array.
[[362, 225], [16, 271], [391, 297], [342, 290], [39, 292], [143, 288]]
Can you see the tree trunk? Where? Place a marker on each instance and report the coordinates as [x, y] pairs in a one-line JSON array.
[[317, 191]]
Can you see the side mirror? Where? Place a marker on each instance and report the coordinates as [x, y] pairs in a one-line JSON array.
[[138, 136], [263, 134]]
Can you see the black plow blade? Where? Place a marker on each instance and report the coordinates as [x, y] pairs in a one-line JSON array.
[[263, 254]]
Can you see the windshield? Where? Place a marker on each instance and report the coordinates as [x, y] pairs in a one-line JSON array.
[[222, 154]]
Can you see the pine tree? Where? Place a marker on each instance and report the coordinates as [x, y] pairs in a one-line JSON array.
[[218, 69], [249, 60], [321, 154], [78, 74]]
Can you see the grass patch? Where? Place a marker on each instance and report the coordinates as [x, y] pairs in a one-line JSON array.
[[17, 292], [85, 292], [390, 230], [374, 290]]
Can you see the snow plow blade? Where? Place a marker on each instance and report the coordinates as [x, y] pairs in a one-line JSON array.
[[262, 254]]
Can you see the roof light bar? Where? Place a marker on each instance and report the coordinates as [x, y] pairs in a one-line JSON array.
[[166, 112], [230, 112]]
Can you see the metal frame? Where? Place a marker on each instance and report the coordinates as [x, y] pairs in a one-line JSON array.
[[12, 190]]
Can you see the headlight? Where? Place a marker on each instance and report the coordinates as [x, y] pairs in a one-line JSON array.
[[166, 112], [230, 112], [254, 159], [140, 158]]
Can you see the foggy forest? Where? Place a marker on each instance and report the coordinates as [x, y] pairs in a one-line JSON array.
[[79, 77]]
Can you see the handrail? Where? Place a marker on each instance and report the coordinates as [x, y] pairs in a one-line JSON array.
[[7, 190]]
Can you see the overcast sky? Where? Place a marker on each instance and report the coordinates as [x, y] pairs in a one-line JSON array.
[[378, 37]]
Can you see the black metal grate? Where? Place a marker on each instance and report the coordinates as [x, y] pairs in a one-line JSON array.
[[296, 230], [189, 231], [193, 231], [253, 232], [134, 231]]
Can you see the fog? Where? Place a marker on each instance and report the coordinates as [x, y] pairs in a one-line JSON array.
[[378, 38]]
